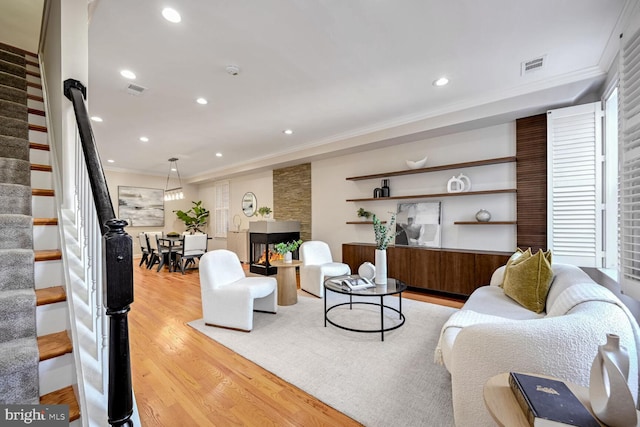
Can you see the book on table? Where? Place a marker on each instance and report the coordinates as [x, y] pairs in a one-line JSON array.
[[546, 402], [355, 283]]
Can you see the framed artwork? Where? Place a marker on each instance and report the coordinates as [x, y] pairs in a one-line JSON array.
[[418, 224], [141, 207]]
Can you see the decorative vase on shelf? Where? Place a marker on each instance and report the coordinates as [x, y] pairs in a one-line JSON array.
[[610, 397], [381, 267], [287, 257], [483, 215]]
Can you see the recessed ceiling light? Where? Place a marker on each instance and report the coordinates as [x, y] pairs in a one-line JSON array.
[[144, 139], [111, 161], [128, 74], [202, 101], [171, 15], [218, 154], [441, 81], [96, 118], [287, 132]]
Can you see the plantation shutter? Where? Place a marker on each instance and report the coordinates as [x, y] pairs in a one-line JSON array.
[[222, 209], [574, 162], [629, 153]]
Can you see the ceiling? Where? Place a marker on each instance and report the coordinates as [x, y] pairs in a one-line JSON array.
[[343, 75]]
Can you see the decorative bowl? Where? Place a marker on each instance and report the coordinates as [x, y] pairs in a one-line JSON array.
[[417, 164]]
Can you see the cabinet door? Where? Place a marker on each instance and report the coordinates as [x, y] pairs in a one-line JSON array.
[[355, 255], [486, 264], [425, 271], [458, 272], [399, 264]]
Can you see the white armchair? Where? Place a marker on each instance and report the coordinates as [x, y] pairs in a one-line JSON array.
[[228, 296], [316, 265]]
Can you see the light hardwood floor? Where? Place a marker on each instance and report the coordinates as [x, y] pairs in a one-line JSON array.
[[182, 378]]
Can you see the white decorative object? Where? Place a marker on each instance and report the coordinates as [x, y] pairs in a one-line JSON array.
[[459, 184], [483, 215], [287, 257], [417, 164], [381, 267], [610, 397], [466, 182], [367, 270]]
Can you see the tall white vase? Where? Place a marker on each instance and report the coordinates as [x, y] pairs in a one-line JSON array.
[[610, 397], [381, 267]]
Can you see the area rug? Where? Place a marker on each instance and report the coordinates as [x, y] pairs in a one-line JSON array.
[[394, 382]]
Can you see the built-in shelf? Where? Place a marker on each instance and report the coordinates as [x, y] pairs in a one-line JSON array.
[[435, 168], [485, 223], [427, 196], [364, 222]]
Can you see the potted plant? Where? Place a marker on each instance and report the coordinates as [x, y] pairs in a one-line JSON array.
[[364, 214], [195, 219], [264, 211], [285, 249]]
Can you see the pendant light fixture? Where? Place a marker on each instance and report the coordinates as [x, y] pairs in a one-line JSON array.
[[173, 193]]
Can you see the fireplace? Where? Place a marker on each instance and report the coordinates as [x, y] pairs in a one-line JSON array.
[[263, 235]]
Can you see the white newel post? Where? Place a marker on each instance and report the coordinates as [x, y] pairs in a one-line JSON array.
[[381, 267]]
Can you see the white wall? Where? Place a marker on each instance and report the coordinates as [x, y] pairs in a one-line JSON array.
[[330, 190]]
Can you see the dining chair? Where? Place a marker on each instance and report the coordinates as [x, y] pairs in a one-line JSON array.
[[160, 254], [193, 247], [145, 249]]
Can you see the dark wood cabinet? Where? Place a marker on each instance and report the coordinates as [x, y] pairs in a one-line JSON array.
[[453, 271]]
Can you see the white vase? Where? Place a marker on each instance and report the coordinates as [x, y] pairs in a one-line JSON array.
[[381, 267], [609, 395], [287, 257]]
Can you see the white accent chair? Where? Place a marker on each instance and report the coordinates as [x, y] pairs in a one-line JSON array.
[[229, 298], [316, 265]]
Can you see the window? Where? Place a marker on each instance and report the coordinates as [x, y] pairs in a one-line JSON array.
[[221, 211]]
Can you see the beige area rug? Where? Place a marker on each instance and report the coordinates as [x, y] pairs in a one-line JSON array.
[[390, 383]]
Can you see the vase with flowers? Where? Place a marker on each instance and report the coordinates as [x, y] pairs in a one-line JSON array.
[[384, 235], [286, 248]]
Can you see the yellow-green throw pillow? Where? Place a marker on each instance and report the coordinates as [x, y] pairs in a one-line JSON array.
[[517, 254], [527, 280]]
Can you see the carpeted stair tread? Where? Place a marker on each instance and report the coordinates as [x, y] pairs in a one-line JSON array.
[[19, 371], [64, 396], [17, 318], [14, 110], [14, 127], [15, 148], [13, 81], [16, 269], [50, 295], [14, 69], [16, 231], [12, 58], [37, 146], [15, 171], [54, 345], [15, 199], [14, 95]]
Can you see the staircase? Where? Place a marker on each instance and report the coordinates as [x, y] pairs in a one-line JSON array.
[[29, 236]]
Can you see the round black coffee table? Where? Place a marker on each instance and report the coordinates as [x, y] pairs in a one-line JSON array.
[[392, 287]]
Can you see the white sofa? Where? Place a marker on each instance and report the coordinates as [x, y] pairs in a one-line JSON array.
[[492, 334]]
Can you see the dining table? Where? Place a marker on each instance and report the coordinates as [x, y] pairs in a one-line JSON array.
[[173, 243]]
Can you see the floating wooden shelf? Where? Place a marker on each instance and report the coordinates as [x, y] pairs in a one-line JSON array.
[[435, 168], [427, 196], [485, 223], [364, 222]]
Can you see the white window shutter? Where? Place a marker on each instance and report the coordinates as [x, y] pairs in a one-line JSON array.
[[221, 211], [574, 193], [629, 154]]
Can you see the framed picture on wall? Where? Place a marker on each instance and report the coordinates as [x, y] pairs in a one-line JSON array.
[[418, 224], [141, 207]]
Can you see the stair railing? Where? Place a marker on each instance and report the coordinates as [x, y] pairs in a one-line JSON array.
[[117, 266]]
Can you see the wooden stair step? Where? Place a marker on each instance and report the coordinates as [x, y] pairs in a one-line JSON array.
[[35, 97], [33, 74], [34, 85], [35, 111], [48, 255], [42, 192], [54, 345], [42, 168], [50, 295], [45, 221], [33, 63], [37, 128], [37, 146], [64, 396]]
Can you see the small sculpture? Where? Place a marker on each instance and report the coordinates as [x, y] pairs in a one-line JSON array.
[[459, 184], [417, 164]]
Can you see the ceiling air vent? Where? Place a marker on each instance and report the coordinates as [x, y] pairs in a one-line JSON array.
[[532, 65], [135, 90]]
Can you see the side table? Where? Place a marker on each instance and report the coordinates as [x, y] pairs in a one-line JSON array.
[[287, 284]]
